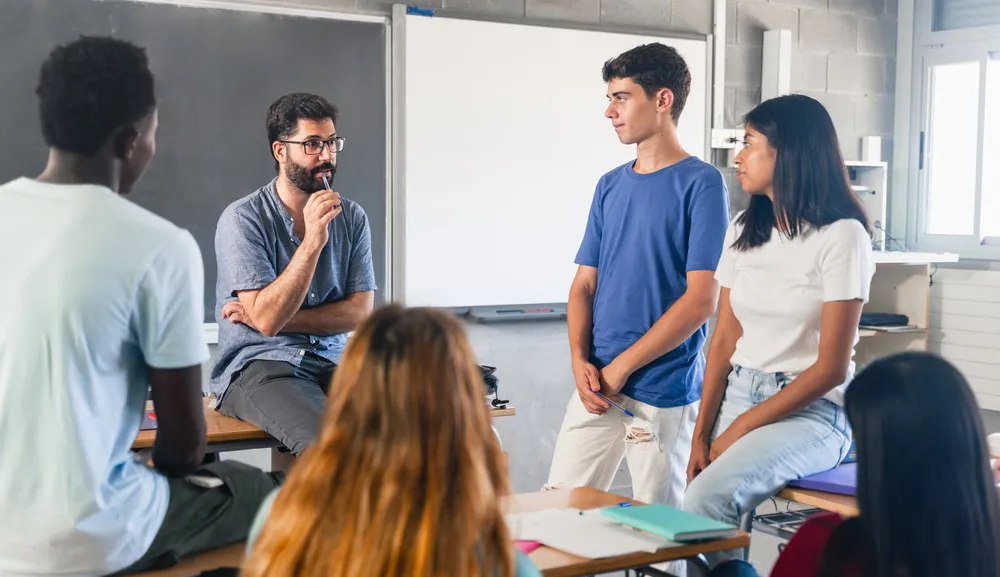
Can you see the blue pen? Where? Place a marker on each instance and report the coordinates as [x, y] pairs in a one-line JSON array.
[[624, 410]]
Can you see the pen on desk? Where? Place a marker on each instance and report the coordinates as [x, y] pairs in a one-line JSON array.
[[623, 409]]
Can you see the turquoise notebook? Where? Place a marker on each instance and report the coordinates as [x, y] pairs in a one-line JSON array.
[[668, 522]]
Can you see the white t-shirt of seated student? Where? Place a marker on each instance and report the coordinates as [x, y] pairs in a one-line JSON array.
[[94, 288], [777, 292]]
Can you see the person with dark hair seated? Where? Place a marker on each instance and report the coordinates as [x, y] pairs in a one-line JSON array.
[[926, 492], [295, 276], [101, 299], [795, 271]]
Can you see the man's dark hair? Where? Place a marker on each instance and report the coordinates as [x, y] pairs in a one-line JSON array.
[[654, 67], [284, 114], [89, 88]]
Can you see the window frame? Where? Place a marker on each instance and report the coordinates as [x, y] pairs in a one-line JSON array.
[[919, 49]]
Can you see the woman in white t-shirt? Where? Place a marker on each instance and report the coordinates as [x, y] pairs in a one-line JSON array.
[[795, 272]]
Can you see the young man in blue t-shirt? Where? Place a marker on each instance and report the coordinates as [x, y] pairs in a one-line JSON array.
[[644, 291]]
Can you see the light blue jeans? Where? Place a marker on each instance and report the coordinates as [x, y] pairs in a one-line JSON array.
[[758, 465]]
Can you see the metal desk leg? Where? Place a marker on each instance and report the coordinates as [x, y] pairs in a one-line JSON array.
[[746, 525]]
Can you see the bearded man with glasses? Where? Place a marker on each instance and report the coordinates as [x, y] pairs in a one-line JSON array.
[[295, 276]]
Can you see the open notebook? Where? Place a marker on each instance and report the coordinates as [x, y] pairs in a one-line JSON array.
[[669, 522], [586, 534]]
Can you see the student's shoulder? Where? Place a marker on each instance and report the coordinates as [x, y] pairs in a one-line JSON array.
[[143, 223], [523, 567], [816, 530], [804, 552], [700, 177], [260, 518], [354, 211], [612, 177], [735, 225], [845, 230]]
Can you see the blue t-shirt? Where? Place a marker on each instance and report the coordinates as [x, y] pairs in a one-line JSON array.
[[644, 234]]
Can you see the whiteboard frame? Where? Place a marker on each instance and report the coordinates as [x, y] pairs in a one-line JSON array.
[[397, 230], [269, 9], [210, 331]]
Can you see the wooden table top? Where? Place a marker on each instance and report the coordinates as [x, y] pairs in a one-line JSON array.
[[556, 563], [846, 505], [223, 429]]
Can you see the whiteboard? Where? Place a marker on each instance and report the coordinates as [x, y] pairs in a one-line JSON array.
[[502, 142]]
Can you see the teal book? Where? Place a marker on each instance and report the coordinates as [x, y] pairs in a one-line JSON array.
[[674, 524]]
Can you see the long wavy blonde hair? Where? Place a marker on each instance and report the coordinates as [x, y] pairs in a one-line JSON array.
[[405, 477]]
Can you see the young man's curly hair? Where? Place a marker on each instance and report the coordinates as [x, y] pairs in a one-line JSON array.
[[653, 67], [90, 87]]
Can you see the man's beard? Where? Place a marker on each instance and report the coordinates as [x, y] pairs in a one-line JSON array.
[[306, 180]]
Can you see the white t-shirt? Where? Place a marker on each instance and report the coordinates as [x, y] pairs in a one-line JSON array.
[[93, 289], [777, 292]]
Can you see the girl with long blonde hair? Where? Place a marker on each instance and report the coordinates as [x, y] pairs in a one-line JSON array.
[[405, 477]]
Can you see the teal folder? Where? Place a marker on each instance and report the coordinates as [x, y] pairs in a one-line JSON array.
[[671, 523]]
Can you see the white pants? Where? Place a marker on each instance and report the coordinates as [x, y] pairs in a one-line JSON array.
[[656, 444]]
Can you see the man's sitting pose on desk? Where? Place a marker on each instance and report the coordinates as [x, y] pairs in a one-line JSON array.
[[99, 298], [295, 276]]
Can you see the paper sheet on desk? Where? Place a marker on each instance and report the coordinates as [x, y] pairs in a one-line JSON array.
[[585, 535]]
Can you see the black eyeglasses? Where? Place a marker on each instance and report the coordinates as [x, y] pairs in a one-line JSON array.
[[314, 147]]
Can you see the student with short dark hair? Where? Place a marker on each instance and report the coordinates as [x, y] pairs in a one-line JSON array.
[[795, 272], [295, 276], [643, 292], [101, 298]]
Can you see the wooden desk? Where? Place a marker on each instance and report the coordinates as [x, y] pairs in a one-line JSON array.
[[222, 431], [846, 505], [556, 563], [229, 434]]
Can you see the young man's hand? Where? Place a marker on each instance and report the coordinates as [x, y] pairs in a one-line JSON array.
[[613, 379], [588, 380]]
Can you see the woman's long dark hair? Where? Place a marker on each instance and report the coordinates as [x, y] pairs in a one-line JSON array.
[[926, 492], [811, 185]]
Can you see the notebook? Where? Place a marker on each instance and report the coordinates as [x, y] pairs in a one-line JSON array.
[[581, 533], [669, 522], [842, 480]]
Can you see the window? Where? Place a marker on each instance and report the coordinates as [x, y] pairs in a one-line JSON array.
[[991, 151], [959, 14], [952, 185], [951, 148]]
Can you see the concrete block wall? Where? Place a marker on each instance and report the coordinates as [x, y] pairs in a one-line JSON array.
[[843, 54], [843, 50]]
